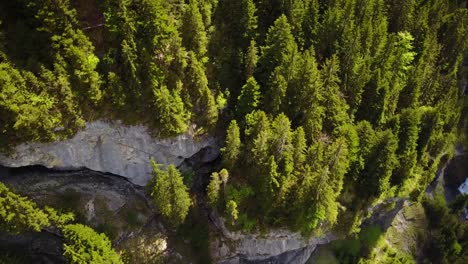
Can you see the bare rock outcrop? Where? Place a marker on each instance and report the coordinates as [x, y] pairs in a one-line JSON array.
[[113, 148]]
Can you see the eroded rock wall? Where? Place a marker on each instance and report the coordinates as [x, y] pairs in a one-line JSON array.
[[110, 147], [273, 247]]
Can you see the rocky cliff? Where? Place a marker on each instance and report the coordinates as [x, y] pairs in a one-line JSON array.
[[111, 147], [273, 247]]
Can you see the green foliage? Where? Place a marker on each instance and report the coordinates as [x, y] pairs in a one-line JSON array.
[[231, 210], [170, 194], [212, 191], [233, 145], [447, 232], [172, 116], [19, 214], [25, 111], [203, 103], [193, 30], [277, 64], [197, 233], [339, 104], [249, 98], [84, 245]]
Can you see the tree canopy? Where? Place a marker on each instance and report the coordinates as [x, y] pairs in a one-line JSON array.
[[328, 106]]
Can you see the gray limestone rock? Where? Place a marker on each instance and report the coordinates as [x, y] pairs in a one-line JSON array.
[[275, 246], [110, 147]]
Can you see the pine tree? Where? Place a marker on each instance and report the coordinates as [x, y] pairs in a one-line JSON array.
[[296, 11], [280, 51], [71, 46], [336, 107], [31, 114], [237, 22], [204, 105], [193, 30], [281, 136], [18, 214], [258, 137], [268, 186], [83, 245], [329, 183], [379, 164], [299, 146], [231, 152], [306, 97], [172, 117], [170, 194], [231, 211], [310, 23], [407, 146], [212, 191], [251, 59], [249, 98]]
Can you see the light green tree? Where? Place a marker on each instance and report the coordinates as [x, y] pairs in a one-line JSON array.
[[171, 118], [231, 152], [249, 98], [83, 245], [170, 194], [212, 191]]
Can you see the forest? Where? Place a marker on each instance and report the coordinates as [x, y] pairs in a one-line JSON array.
[[327, 107]]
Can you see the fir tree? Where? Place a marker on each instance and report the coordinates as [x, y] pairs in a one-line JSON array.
[[232, 150], [170, 194]]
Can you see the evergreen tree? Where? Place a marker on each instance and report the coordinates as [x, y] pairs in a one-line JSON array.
[[407, 153], [278, 56], [18, 214], [70, 43], [231, 151], [251, 59], [212, 191], [203, 102], [172, 117], [193, 29], [379, 164], [170, 194], [306, 97], [336, 107], [27, 114], [299, 146], [231, 211], [310, 23], [83, 245], [249, 98], [401, 14], [258, 137], [329, 183], [235, 23]]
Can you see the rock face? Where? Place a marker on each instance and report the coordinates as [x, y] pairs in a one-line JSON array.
[[113, 148], [278, 246], [274, 247]]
